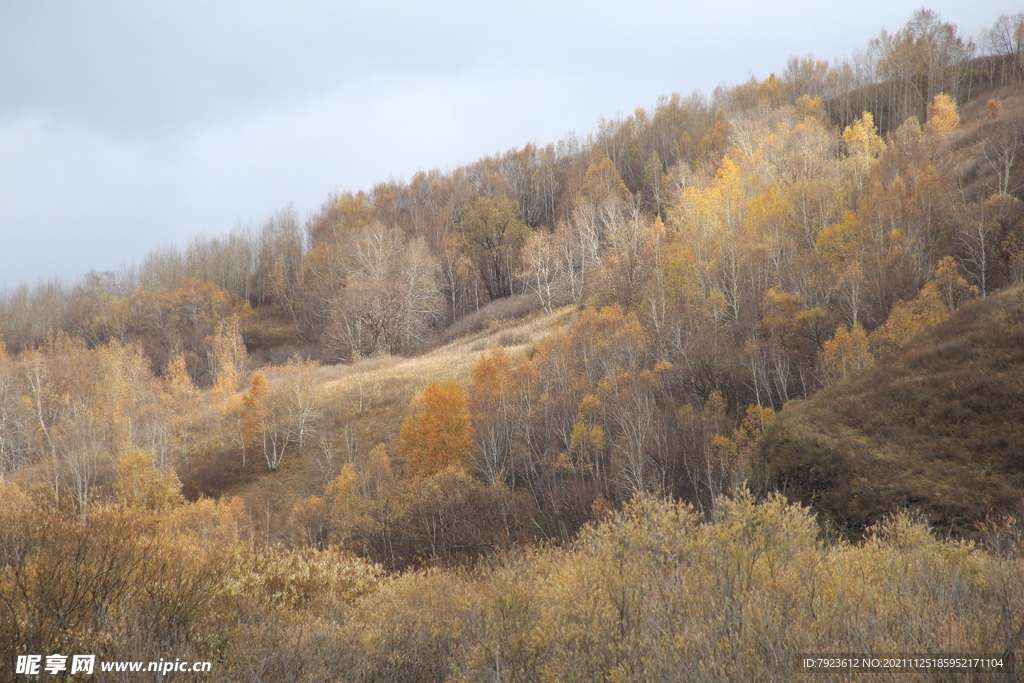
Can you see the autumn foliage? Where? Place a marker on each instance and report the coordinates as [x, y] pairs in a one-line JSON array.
[[437, 434], [500, 422]]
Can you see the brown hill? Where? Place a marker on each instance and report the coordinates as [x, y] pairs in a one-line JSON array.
[[938, 429]]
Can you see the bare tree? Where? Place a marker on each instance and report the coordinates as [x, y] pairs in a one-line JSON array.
[[1001, 150], [391, 299], [1005, 38], [542, 273]]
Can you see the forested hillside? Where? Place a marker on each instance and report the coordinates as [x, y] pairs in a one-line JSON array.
[[466, 369]]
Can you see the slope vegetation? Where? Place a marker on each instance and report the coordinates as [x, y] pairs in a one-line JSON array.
[[364, 404], [938, 429]]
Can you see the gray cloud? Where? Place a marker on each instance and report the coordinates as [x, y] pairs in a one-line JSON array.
[[125, 126]]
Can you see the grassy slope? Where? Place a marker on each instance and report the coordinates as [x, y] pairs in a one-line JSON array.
[[975, 139], [367, 400], [939, 429]]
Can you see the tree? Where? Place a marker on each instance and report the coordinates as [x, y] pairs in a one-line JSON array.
[[95, 311], [847, 352], [370, 508], [181, 406], [711, 221], [943, 118], [1008, 215], [324, 275], [541, 272], [421, 298], [952, 286], [282, 290], [493, 238], [342, 213], [1001, 150], [366, 319], [461, 285], [631, 262], [182, 320], [1005, 39], [863, 144], [578, 241], [126, 397], [254, 414], [390, 300], [976, 231], [788, 338], [142, 485], [227, 357], [438, 431], [45, 409], [82, 455], [14, 418], [493, 413], [302, 399], [936, 300], [924, 58], [30, 314], [280, 248], [638, 439]]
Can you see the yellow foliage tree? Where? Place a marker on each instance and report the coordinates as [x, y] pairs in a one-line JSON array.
[[808, 106], [369, 508], [229, 356], [994, 107], [587, 443], [254, 414], [736, 454], [180, 404], [943, 118], [438, 432], [863, 143], [142, 485], [847, 352], [943, 294], [910, 317], [952, 286]]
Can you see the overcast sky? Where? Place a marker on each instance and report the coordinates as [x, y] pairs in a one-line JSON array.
[[128, 126]]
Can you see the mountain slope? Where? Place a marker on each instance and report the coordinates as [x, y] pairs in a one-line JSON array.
[[938, 429], [365, 404]]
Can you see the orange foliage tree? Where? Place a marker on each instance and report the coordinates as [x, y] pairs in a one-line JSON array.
[[181, 320], [254, 413], [438, 432]]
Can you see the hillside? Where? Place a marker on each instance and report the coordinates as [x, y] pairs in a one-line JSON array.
[[937, 429], [364, 404], [984, 149], [563, 327]]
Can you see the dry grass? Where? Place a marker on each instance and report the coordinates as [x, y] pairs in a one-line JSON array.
[[970, 144], [380, 378], [938, 429], [364, 404]]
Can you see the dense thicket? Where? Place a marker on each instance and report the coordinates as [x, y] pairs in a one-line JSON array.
[[652, 593]]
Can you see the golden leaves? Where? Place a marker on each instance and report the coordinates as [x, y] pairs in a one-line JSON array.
[[437, 432]]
